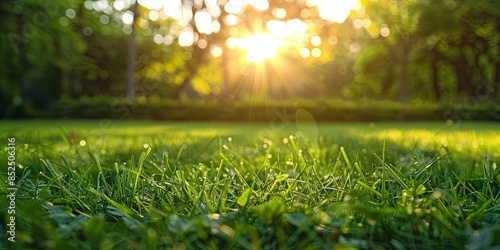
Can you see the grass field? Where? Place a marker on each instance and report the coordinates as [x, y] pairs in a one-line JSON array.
[[279, 185]]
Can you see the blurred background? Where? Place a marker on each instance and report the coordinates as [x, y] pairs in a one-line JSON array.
[[250, 59]]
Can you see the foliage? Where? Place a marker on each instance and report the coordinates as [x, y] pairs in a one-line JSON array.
[[228, 186], [44, 53], [438, 49], [322, 110], [386, 49]]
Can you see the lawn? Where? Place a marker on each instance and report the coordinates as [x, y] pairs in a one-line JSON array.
[[278, 185]]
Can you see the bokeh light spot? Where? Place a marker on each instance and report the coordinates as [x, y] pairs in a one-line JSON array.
[[304, 52], [216, 51], [316, 52], [127, 17], [186, 38], [385, 31], [70, 13], [316, 40]]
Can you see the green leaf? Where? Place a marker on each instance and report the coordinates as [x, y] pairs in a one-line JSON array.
[[487, 238], [479, 210], [372, 189], [297, 219], [119, 207], [280, 178], [271, 210], [93, 229], [245, 197]]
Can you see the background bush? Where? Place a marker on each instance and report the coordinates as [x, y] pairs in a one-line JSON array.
[[202, 110]]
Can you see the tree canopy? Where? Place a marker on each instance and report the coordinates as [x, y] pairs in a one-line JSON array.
[[231, 49]]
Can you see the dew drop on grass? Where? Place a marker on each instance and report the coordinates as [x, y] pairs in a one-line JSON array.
[[145, 145], [83, 143], [229, 138]]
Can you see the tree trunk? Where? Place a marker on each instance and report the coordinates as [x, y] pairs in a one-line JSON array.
[[496, 80], [184, 85], [464, 77], [403, 74], [496, 77], [62, 78], [435, 78], [131, 56]]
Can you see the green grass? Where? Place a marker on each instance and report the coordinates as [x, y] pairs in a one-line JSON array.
[[159, 185]]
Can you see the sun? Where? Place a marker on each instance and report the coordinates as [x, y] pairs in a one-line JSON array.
[[260, 46], [335, 10]]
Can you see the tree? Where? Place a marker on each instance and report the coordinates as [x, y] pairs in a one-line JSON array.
[[397, 23], [441, 47], [45, 52], [235, 21], [460, 35], [131, 54]]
